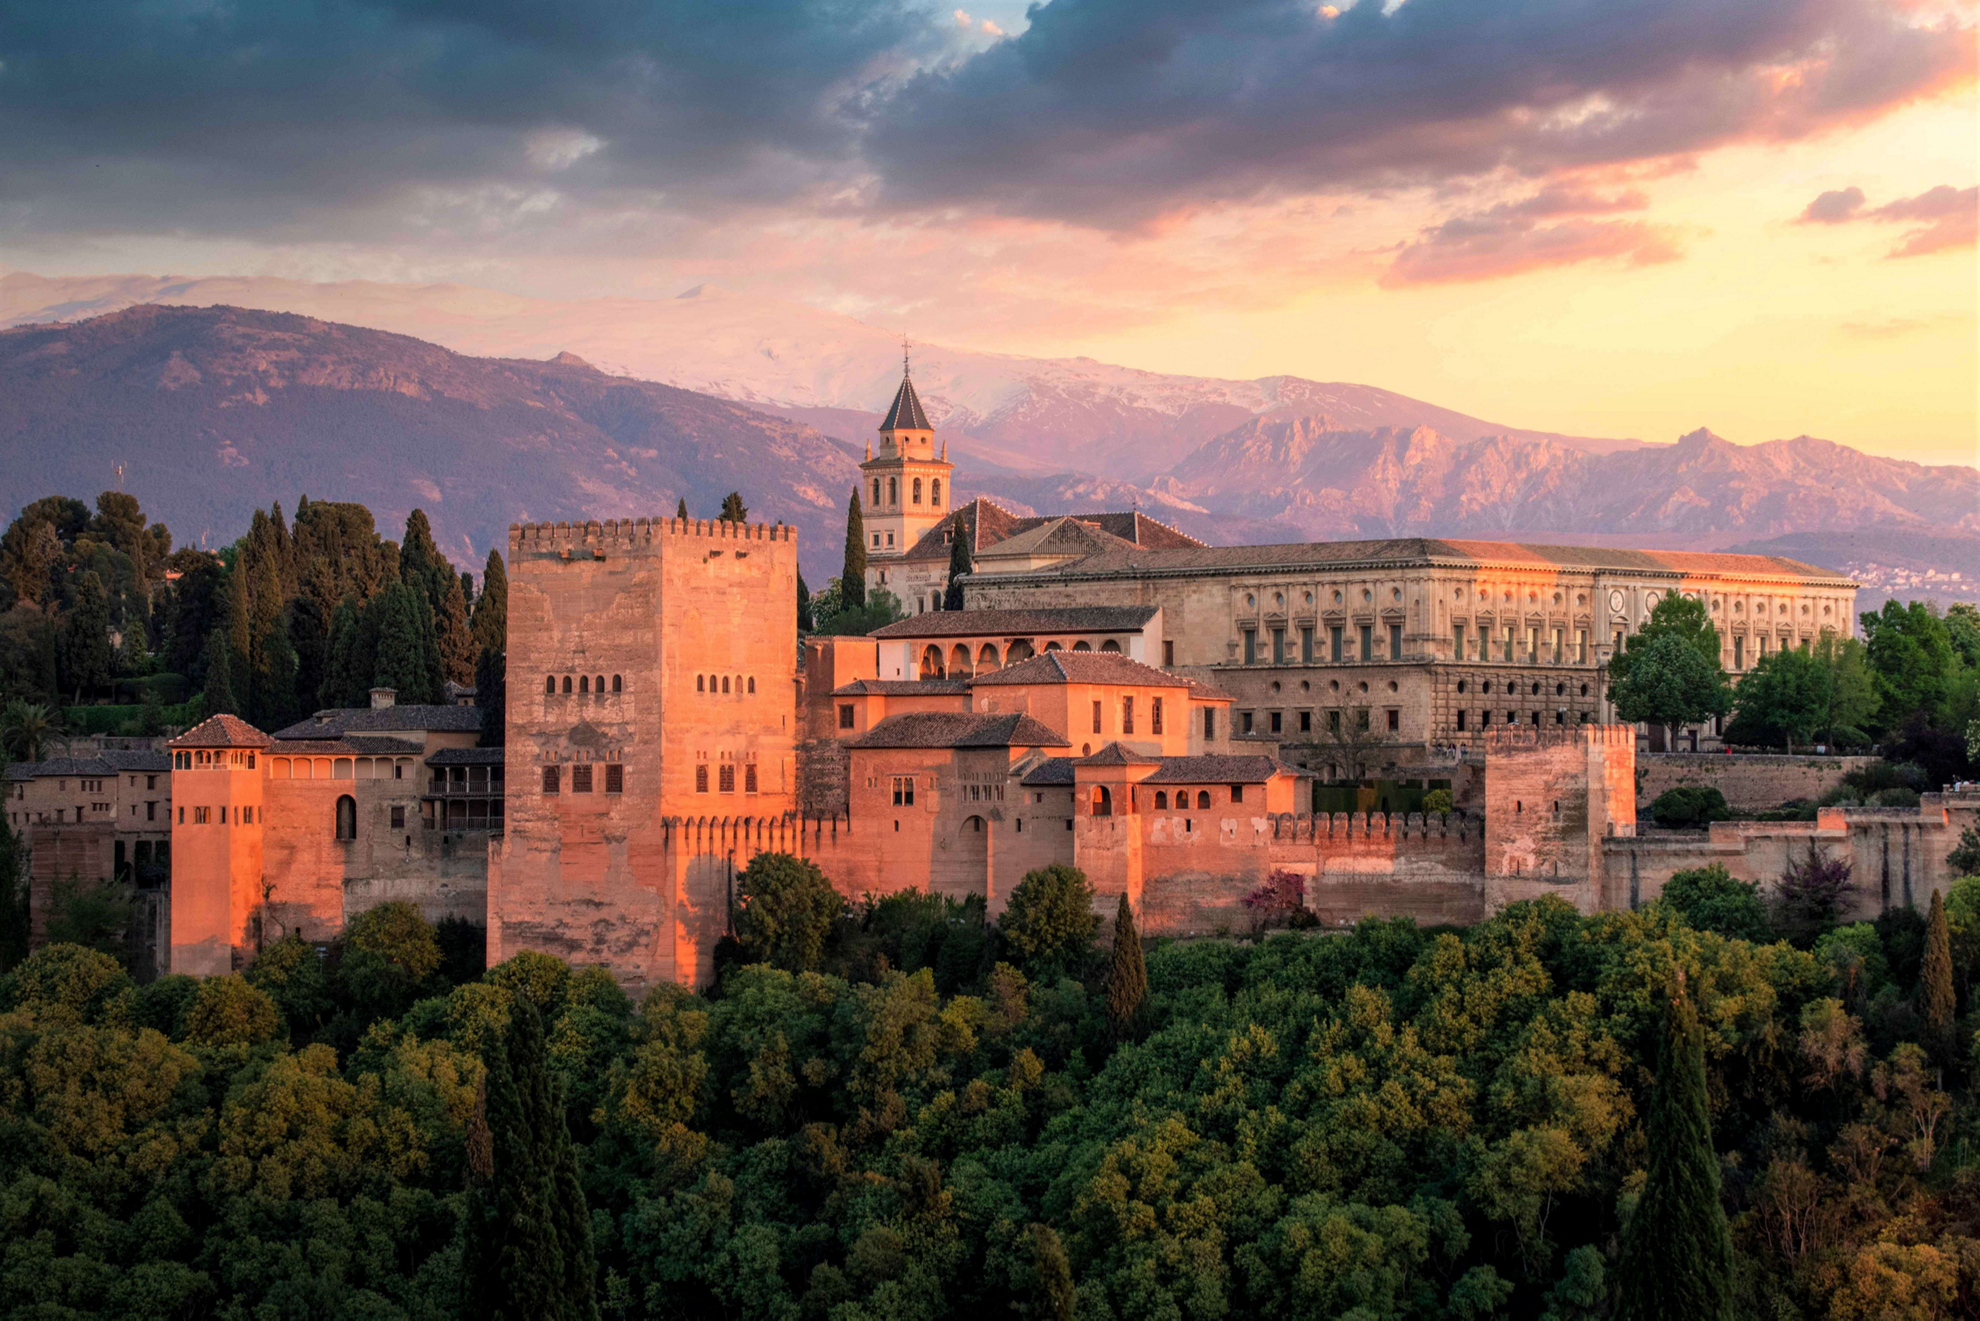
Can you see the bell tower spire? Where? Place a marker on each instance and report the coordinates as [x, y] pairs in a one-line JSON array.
[[905, 485]]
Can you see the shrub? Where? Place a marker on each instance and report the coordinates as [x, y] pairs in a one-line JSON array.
[[227, 1011], [1690, 805], [1709, 899], [1811, 895], [1049, 922], [1438, 801], [1281, 902]]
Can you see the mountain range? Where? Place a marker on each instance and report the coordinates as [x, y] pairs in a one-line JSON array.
[[215, 409]]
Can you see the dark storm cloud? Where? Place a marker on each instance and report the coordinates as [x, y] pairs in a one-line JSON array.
[[1115, 110], [263, 114], [335, 118]]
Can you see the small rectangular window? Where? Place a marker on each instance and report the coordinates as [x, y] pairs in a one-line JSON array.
[[398, 818], [1581, 646], [1334, 647], [1306, 645], [1395, 720], [1367, 651], [701, 778], [1127, 715], [903, 791], [615, 778], [1395, 642], [1096, 717], [749, 778], [1245, 720], [1237, 793], [1250, 646], [1457, 641], [1155, 715], [1277, 722], [1210, 722], [1278, 646], [725, 778], [845, 715], [581, 778], [1306, 722], [1168, 652], [552, 779], [1460, 721]]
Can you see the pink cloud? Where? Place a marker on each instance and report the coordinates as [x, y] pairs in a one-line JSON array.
[[1510, 238], [1948, 216]]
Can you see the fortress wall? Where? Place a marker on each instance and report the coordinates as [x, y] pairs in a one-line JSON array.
[[1551, 797], [1750, 782]]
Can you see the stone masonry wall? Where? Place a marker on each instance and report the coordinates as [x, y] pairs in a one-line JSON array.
[[1750, 782]]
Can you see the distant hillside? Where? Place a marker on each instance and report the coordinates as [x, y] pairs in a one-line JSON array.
[[217, 411]]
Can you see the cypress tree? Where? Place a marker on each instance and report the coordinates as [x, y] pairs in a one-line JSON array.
[[491, 609], [1677, 1257], [435, 670], [88, 659], [733, 509], [961, 560], [852, 578], [311, 617], [237, 617], [454, 638], [805, 622], [491, 695], [1127, 975], [1935, 982], [401, 659], [527, 1235], [680, 510], [343, 661], [273, 687], [219, 692], [420, 560]]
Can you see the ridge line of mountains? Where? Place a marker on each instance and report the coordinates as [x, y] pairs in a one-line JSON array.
[[218, 410]]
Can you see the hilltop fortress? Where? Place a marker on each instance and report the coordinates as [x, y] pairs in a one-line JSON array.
[[1179, 721]]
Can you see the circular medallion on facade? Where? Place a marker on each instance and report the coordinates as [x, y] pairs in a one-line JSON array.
[[1616, 599]]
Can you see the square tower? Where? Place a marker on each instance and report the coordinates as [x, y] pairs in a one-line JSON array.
[[905, 488], [650, 718], [216, 844]]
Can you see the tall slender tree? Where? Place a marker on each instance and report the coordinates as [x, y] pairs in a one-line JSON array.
[[1677, 1258], [401, 661], [491, 695], [420, 560], [88, 658], [733, 508], [219, 661], [273, 686], [491, 608], [962, 558], [1935, 980], [852, 578], [527, 1251], [1127, 975], [805, 622], [680, 510], [453, 636]]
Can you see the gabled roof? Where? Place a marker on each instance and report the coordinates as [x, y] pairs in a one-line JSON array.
[[990, 524], [959, 729], [902, 688], [339, 721], [1020, 623], [1116, 754], [1051, 771], [363, 745], [221, 732], [1220, 769], [1080, 667], [1064, 537], [906, 413]]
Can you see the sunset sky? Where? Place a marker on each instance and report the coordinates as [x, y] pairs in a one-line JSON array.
[[1607, 217]]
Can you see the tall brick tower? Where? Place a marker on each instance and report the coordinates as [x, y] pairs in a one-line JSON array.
[[216, 844], [650, 736], [906, 485]]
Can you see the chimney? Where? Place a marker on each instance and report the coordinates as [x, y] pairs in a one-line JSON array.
[[384, 697]]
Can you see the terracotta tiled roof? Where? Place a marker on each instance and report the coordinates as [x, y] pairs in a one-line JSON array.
[[1020, 623], [1220, 769], [903, 688], [989, 524], [339, 721], [1051, 771], [1080, 667], [221, 732], [1116, 754], [142, 760], [1204, 692], [360, 746], [466, 757], [959, 729], [906, 414]]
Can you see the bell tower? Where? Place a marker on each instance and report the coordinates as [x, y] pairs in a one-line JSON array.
[[905, 488]]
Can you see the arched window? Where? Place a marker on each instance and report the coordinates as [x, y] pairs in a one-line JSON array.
[[752, 683], [976, 825], [1081, 646], [1203, 799], [1161, 799], [876, 491], [598, 684], [739, 681], [1111, 647], [549, 683], [346, 817], [893, 490], [584, 683], [700, 683], [986, 659], [1103, 802], [552, 775], [725, 683], [931, 662], [1018, 651], [567, 685], [935, 491], [1053, 646], [616, 685], [917, 490]]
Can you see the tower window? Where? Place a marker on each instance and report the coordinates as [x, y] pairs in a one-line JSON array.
[[346, 817], [581, 778], [567, 685], [893, 490], [700, 683], [617, 684], [615, 778], [876, 490], [551, 777], [917, 490], [725, 683], [1154, 715], [549, 683], [584, 683], [725, 778], [701, 778], [752, 683], [935, 491], [749, 778], [598, 684]]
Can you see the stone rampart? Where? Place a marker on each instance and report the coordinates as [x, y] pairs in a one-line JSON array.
[[1751, 782]]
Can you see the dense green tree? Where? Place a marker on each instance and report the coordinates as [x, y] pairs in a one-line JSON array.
[[1782, 700], [491, 608], [421, 565], [1690, 805], [1127, 975], [680, 510], [1668, 682], [273, 687], [1049, 921], [785, 908], [962, 559], [404, 651], [527, 1252], [733, 508], [852, 577], [491, 696], [218, 662], [349, 662], [89, 659], [1677, 1255], [1912, 660], [1709, 899], [804, 619], [453, 636], [13, 896]]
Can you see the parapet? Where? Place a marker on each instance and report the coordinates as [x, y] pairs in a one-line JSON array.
[[629, 533], [1527, 738]]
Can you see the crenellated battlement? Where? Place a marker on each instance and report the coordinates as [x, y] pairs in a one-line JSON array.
[[1526, 738], [627, 533]]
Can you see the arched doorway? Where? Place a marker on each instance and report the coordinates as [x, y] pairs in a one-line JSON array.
[[1103, 801], [931, 662], [346, 817], [986, 659], [959, 661]]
